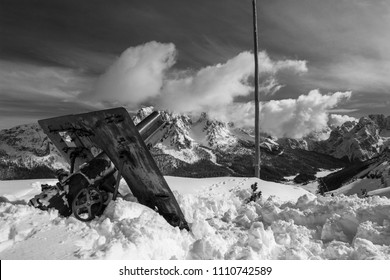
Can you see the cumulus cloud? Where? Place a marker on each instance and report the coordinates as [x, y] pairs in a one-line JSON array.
[[146, 74], [337, 120], [141, 75], [137, 75], [293, 118], [209, 87], [220, 84], [296, 118]]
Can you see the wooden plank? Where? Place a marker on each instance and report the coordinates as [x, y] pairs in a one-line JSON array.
[[115, 133], [54, 126]]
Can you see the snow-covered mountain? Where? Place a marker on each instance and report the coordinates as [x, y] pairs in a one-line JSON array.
[[201, 147], [383, 124], [26, 152], [188, 140], [195, 146], [189, 131], [354, 141]]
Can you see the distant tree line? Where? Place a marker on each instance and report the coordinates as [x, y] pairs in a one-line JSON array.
[[12, 171]]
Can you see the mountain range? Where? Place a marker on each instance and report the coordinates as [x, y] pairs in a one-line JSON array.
[[198, 146]]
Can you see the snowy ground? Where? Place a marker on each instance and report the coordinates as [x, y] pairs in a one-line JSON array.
[[288, 222], [372, 186], [374, 180]]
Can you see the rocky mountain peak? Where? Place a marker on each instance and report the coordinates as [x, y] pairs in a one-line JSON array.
[[383, 124], [142, 113], [190, 139], [355, 141], [28, 146], [188, 131]]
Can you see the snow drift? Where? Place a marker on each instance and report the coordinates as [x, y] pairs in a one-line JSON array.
[[287, 222]]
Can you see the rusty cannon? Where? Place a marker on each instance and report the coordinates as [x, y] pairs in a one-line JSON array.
[[101, 147]]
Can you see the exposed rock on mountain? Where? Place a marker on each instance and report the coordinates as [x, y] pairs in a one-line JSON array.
[[26, 152], [294, 143], [359, 141], [354, 141], [271, 145], [383, 124], [28, 145], [192, 146]]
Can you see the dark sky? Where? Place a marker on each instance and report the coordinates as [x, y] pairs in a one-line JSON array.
[[51, 51]]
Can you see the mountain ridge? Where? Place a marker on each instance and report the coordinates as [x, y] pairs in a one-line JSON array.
[[197, 146], [353, 141]]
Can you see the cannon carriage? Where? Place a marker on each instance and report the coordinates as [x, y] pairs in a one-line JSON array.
[[101, 147]]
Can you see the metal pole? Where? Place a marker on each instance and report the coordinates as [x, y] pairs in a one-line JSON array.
[[257, 112]]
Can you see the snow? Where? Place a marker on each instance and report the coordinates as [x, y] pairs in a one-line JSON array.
[[213, 157], [22, 190], [198, 133], [357, 186], [290, 178], [311, 186], [186, 155], [210, 133], [287, 222], [381, 192], [374, 180]]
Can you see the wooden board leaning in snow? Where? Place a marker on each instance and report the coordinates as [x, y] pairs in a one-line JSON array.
[[114, 132]]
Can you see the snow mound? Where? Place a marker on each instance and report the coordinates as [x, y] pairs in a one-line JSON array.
[[287, 222]]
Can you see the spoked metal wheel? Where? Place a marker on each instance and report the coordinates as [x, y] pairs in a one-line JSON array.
[[87, 204]]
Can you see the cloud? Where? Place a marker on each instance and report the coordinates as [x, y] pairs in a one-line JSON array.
[[346, 43], [29, 92], [296, 118], [30, 79], [220, 84], [337, 120], [209, 87], [293, 118], [137, 75], [145, 74]]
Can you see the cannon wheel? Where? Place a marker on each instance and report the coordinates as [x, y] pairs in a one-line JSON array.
[[87, 204]]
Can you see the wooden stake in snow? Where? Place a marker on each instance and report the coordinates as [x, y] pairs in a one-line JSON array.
[[257, 128]]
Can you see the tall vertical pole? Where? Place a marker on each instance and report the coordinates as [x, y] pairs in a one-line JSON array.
[[257, 112]]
